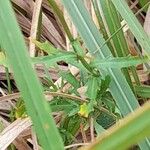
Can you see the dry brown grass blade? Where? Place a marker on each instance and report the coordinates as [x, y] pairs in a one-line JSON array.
[[10, 133], [40, 72], [34, 140], [34, 26], [48, 96], [19, 142], [50, 30]]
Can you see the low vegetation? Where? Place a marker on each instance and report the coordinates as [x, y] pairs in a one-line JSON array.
[[99, 100]]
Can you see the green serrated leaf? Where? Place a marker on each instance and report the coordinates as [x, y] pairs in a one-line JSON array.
[[46, 47], [53, 59], [120, 62], [12, 42], [70, 78], [94, 40], [92, 87], [77, 47], [63, 105]]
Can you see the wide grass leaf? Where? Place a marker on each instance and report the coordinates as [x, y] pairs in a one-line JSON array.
[[12, 42]]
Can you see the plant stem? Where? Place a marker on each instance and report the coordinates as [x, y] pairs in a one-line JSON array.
[[61, 18], [8, 80]]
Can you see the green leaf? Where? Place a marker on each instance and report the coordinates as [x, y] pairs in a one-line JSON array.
[[53, 59], [12, 42], [120, 62], [101, 25], [77, 47], [20, 110], [92, 87], [74, 124], [112, 23], [105, 120], [70, 128], [142, 3], [46, 47], [60, 15], [63, 105], [70, 79], [109, 103], [143, 91], [105, 84]]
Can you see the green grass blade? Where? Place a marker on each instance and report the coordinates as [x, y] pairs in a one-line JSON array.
[[133, 24], [112, 22], [12, 42], [101, 25], [142, 3], [61, 18], [92, 87], [121, 136], [70, 79], [143, 91], [119, 87]]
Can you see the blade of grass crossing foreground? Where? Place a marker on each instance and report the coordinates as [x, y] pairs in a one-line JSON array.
[[12, 42], [119, 87]]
